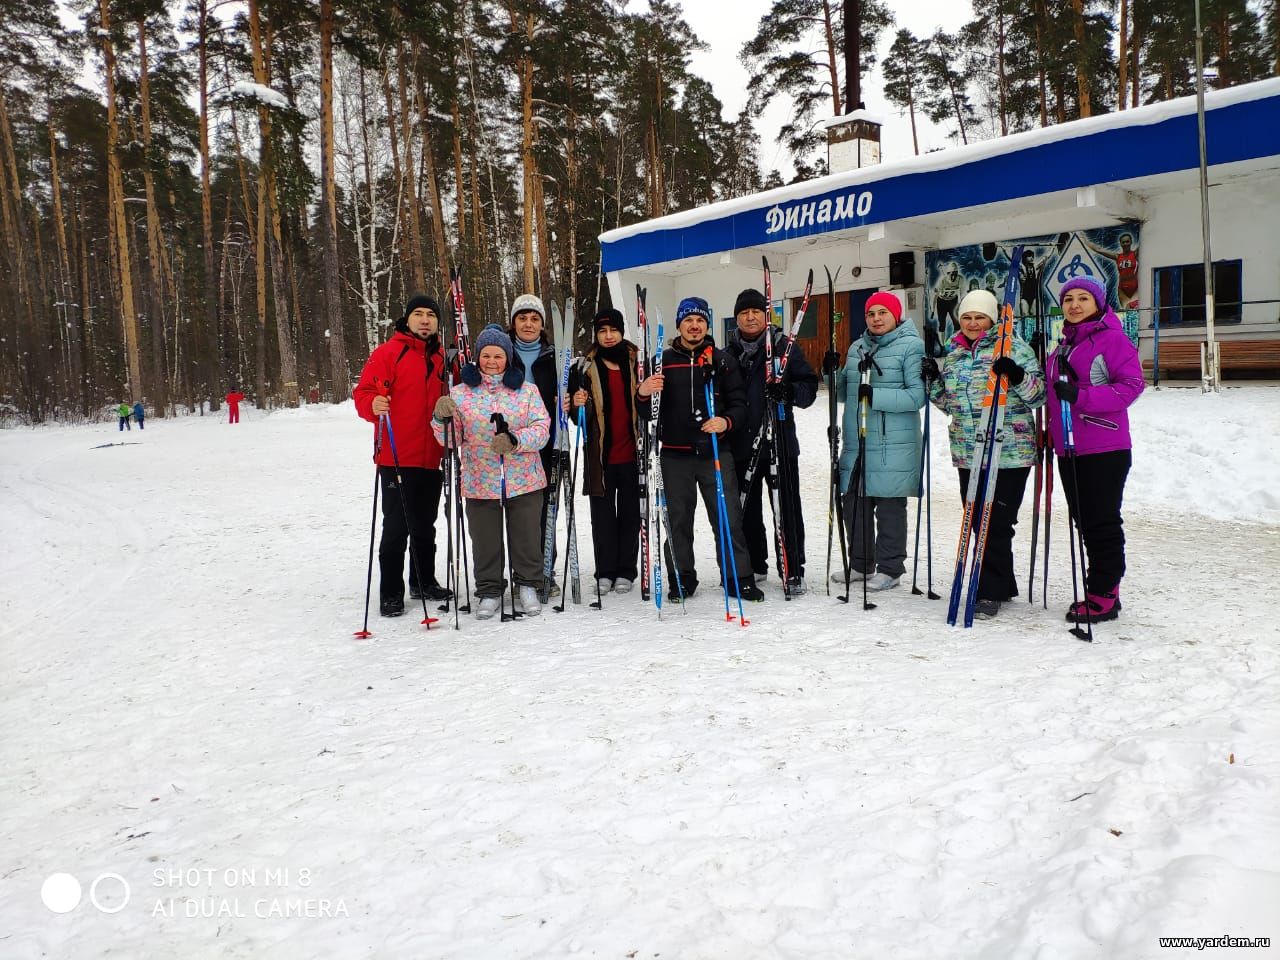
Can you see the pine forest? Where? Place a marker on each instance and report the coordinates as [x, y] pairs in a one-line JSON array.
[[199, 196]]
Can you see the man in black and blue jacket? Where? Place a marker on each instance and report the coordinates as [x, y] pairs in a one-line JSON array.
[[797, 387], [685, 427]]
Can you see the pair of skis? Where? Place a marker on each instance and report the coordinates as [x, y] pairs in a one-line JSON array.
[[457, 568], [644, 442], [835, 507], [984, 466], [768, 438], [562, 329]]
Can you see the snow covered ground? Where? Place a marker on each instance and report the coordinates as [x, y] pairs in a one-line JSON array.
[[183, 706]]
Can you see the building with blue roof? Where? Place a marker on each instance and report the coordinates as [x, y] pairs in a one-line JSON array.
[[1115, 195]]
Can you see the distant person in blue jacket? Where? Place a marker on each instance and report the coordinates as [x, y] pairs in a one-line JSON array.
[[139, 414]]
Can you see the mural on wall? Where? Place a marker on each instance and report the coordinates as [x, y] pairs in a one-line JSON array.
[[1109, 254]]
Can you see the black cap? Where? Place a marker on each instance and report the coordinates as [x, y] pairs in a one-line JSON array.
[[416, 301], [608, 317], [749, 299]]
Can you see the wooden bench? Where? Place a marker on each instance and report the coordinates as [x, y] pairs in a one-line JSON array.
[[1184, 355]]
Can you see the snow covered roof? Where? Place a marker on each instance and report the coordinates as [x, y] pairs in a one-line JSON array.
[[1241, 125]]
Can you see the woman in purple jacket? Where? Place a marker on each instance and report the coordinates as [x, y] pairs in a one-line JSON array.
[[1097, 372]]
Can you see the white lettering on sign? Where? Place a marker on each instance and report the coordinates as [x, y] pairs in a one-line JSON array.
[[850, 206]]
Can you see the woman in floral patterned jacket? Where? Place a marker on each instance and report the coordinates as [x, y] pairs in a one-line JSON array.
[[958, 390], [501, 424]]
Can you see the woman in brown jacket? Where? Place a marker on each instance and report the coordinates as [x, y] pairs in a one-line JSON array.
[[606, 386]]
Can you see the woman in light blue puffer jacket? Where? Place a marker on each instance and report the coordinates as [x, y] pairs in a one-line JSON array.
[[890, 351]]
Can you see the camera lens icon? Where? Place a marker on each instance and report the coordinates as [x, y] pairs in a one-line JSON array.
[[109, 893]]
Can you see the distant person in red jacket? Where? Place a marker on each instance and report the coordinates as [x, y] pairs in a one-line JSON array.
[[233, 406], [404, 378]]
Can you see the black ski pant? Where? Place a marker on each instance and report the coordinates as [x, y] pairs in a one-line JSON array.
[[997, 581], [683, 479], [885, 532], [615, 522], [421, 494], [1099, 478], [756, 531]]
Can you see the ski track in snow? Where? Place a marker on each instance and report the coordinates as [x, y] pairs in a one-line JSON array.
[[182, 692]]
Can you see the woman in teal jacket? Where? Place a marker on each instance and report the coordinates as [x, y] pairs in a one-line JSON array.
[[958, 390], [891, 352]]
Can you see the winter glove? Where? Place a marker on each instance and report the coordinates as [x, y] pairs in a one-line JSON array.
[[1008, 367], [929, 370], [864, 393], [1066, 391], [830, 362], [445, 409], [502, 444], [779, 391]]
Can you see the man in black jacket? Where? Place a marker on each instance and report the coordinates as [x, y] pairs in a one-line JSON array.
[[798, 387], [684, 430]]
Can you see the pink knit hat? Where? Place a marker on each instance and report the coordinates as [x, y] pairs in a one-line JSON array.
[[887, 300]]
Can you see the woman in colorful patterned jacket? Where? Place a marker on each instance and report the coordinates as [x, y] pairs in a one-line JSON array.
[[958, 390], [1097, 371], [501, 424]]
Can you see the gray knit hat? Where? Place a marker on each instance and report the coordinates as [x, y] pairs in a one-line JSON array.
[[527, 301]]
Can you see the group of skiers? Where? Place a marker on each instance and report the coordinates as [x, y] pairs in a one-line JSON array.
[[724, 428]]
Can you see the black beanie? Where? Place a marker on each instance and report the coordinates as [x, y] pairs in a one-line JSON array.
[[608, 317], [748, 299], [415, 301]]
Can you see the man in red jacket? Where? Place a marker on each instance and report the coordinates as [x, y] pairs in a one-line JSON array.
[[403, 378]]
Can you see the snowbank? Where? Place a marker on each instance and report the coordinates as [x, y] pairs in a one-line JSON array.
[[187, 716]]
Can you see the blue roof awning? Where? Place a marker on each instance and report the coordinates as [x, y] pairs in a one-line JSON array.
[[1242, 123]]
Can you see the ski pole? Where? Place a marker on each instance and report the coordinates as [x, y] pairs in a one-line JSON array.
[[726, 532], [452, 507], [571, 527], [499, 428], [363, 633], [427, 619], [915, 559], [1073, 517], [863, 500]]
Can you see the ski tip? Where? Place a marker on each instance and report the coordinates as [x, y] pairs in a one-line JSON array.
[[362, 634]]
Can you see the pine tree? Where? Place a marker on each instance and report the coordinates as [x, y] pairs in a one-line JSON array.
[[947, 76], [904, 77], [797, 53]]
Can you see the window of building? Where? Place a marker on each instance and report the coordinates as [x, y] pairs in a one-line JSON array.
[[1179, 293]]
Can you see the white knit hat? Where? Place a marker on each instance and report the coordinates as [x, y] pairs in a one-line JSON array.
[[527, 301], [979, 301]]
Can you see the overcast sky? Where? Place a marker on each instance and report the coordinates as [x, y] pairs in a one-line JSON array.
[[725, 25]]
